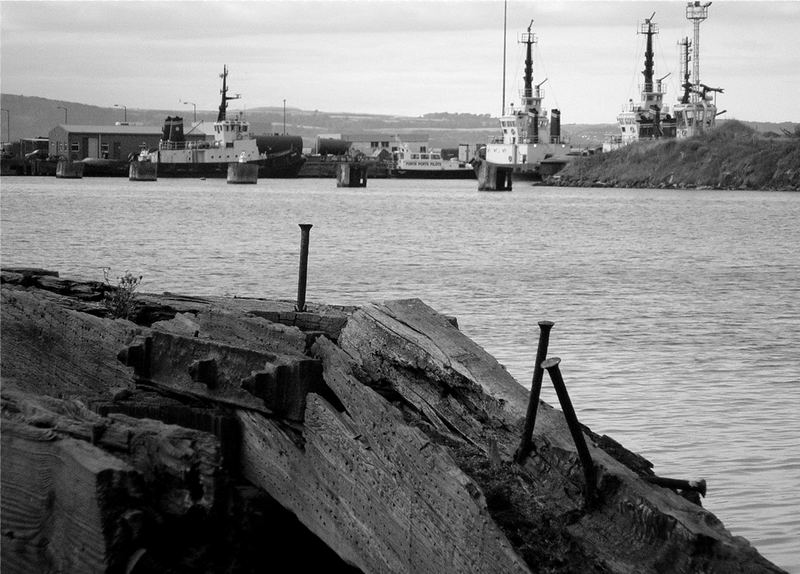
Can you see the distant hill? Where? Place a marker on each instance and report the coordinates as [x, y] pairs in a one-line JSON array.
[[732, 156], [31, 116]]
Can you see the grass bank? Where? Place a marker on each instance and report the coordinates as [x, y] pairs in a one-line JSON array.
[[733, 156]]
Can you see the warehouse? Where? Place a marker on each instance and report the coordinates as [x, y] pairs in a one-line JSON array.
[[111, 142]]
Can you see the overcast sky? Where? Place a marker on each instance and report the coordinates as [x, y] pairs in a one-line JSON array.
[[405, 58]]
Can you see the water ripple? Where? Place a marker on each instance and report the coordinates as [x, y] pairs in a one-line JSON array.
[[677, 313]]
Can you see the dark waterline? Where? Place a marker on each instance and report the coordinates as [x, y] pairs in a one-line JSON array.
[[677, 312]]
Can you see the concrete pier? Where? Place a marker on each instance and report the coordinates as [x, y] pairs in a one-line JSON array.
[[240, 172], [351, 174], [68, 169], [492, 177], [143, 171]]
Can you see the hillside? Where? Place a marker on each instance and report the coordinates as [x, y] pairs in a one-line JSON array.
[[32, 116], [733, 156]]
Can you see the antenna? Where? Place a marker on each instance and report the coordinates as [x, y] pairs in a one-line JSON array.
[[505, 13]]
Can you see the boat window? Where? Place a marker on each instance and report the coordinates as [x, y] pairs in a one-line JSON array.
[[414, 156], [423, 156], [436, 156]]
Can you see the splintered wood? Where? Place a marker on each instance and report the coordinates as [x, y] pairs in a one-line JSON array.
[[386, 431]]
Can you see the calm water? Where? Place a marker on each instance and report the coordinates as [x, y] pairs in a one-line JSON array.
[[677, 313]]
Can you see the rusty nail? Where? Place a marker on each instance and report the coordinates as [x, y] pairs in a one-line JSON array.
[[305, 231], [676, 483], [551, 365], [536, 387]]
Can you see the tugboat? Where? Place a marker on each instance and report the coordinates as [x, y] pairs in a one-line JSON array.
[[696, 111], [275, 156], [526, 150], [649, 118]]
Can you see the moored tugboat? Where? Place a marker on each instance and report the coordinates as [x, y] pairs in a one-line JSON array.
[[275, 156], [649, 118], [696, 110], [531, 146]]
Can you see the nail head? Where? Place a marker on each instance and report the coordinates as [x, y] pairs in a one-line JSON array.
[[551, 362]]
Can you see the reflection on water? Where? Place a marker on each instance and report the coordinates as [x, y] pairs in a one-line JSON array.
[[677, 314]]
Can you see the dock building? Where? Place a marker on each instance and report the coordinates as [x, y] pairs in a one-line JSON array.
[[113, 141]]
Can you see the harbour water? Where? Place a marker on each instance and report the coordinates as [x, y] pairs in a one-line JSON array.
[[677, 313]]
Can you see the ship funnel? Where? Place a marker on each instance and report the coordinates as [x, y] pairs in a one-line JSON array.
[[173, 129], [555, 126]]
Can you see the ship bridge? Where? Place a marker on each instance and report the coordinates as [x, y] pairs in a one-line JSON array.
[[228, 131]]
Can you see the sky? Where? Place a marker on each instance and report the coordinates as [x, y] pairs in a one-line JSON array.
[[393, 57]]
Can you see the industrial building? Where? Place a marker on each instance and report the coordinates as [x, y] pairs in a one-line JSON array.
[[372, 144], [110, 142]]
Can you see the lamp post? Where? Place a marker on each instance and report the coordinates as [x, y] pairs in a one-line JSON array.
[[124, 111], [65, 113], [284, 116], [8, 122], [194, 111]]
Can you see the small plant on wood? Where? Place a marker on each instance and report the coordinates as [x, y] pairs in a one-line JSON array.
[[120, 299]]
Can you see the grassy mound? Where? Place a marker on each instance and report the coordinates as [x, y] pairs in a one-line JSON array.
[[732, 156]]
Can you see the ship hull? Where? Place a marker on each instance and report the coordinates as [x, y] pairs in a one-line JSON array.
[[105, 167], [432, 174], [284, 167]]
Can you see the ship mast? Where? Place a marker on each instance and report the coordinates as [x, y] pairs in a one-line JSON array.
[[685, 44], [648, 28], [223, 106], [528, 101]]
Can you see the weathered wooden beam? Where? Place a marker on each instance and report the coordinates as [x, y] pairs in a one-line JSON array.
[[375, 489], [394, 447], [240, 375], [467, 401], [78, 488], [60, 351], [56, 496]]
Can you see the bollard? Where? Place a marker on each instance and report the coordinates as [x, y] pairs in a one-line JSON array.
[[574, 426], [305, 231], [536, 387]]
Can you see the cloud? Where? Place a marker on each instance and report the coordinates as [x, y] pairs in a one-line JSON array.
[[408, 57]]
